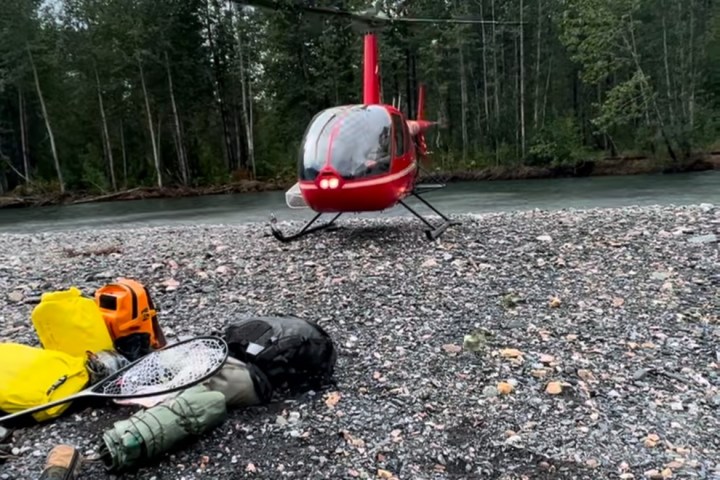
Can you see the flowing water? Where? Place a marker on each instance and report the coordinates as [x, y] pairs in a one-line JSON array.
[[457, 198]]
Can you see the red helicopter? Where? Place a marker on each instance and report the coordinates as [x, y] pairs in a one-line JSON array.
[[362, 157]]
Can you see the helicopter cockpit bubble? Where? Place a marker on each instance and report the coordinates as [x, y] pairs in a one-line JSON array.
[[354, 140]]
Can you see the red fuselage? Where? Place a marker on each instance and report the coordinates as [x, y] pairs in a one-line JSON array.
[[357, 158]]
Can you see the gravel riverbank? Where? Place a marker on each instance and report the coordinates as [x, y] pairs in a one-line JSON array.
[[592, 349]]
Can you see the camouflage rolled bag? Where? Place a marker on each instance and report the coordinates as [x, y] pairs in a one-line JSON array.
[[244, 385], [152, 432]]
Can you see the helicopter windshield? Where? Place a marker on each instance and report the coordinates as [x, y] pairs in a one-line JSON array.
[[356, 139]]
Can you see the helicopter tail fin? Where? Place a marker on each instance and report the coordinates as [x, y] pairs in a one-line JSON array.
[[421, 103], [419, 126]]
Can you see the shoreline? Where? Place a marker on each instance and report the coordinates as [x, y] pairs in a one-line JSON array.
[[619, 166]]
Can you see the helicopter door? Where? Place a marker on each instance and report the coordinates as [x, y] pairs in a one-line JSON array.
[[400, 136]]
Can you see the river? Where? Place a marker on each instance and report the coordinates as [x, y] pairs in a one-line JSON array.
[[457, 198]]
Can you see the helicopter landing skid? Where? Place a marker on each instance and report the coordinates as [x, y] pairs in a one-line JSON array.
[[434, 231], [306, 230]]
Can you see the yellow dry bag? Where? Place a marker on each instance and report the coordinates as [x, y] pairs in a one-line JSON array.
[[31, 376], [68, 322]]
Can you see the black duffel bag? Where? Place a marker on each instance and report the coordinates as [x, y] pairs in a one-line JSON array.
[[294, 354]]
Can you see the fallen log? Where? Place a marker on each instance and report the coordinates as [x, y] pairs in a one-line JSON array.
[[109, 196]]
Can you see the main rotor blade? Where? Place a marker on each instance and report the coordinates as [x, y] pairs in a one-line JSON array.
[[451, 20], [371, 17]]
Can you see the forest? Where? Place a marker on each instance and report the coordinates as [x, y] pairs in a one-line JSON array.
[[102, 96]]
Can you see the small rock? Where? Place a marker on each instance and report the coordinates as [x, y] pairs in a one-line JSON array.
[[511, 353], [16, 296], [553, 388], [452, 348], [652, 440], [544, 238], [544, 358], [280, 420], [704, 239], [294, 417], [504, 388], [490, 391]]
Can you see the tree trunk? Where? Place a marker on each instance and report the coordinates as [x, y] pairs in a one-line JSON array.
[[683, 67], [413, 82], [155, 148], [56, 160], [159, 137], [485, 75], [23, 135], [106, 134], [667, 67], [547, 90], [124, 154], [536, 112], [496, 86], [408, 86], [230, 160], [522, 83], [518, 148], [632, 46], [246, 107], [691, 66], [182, 157], [463, 102]]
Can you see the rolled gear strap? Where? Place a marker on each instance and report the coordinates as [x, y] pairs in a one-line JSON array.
[[243, 385], [152, 432]]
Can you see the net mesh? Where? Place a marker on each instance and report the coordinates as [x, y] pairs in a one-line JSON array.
[[173, 367]]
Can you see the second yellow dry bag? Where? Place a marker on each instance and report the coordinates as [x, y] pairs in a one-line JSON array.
[[68, 322]]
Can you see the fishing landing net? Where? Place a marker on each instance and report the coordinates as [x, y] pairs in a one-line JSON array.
[[175, 367]]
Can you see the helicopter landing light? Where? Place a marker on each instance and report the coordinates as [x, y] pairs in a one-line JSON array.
[[329, 183]]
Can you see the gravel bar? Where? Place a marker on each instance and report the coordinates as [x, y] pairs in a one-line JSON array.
[[565, 344]]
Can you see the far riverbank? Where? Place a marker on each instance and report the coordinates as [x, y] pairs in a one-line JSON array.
[[604, 167]]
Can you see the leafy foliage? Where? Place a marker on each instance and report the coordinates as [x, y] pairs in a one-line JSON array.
[[204, 91]]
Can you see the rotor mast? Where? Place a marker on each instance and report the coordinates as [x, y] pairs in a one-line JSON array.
[[371, 70]]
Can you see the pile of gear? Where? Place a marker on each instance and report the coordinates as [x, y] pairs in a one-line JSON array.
[[114, 336]]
